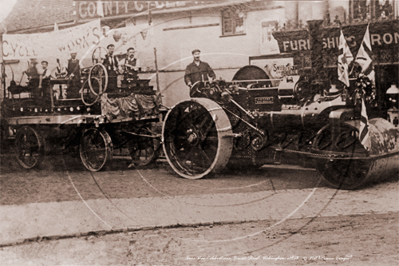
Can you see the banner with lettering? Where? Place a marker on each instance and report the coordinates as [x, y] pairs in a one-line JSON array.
[[383, 35], [95, 9], [55, 44]]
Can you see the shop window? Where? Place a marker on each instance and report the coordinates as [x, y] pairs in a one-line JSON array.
[[232, 23], [361, 10]]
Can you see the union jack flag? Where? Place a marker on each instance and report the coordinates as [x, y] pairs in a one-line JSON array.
[[364, 135], [364, 57], [345, 57]]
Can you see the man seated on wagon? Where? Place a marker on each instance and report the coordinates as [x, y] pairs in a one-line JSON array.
[[130, 65]]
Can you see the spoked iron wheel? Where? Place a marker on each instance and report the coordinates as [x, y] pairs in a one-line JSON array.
[[98, 79], [86, 94], [197, 138], [144, 150], [98, 55], [95, 149], [338, 172], [30, 147]]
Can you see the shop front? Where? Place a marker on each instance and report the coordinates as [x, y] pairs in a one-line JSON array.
[[384, 38]]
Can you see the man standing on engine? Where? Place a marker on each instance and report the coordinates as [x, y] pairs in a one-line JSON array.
[[198, 70]]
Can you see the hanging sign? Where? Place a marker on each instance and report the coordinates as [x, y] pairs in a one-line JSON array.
[[56, 43]]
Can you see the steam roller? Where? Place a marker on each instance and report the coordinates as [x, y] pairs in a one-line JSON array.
[[254, 120]]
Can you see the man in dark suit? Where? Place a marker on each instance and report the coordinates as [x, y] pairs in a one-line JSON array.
[[198, 70], [130, 65], [46, 75], [111, 64], [73, 72], [110, 61]]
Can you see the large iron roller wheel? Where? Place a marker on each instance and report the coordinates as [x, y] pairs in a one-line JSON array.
[[197, 138], [341, 173]]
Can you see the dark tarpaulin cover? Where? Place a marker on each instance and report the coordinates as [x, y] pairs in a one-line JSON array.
[[130, 106]]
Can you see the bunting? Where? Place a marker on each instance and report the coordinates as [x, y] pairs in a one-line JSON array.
[[345, 57]]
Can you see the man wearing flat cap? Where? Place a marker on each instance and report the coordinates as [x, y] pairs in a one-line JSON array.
[[198, 70], [73, 72]]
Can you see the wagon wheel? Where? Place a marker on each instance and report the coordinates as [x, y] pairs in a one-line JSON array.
[[95, 149], [197, 138], [342, 173], [144, 150], [86, 94], [30, 147], [98, 73]]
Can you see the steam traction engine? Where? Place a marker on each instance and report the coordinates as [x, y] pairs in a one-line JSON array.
[[251, 122]]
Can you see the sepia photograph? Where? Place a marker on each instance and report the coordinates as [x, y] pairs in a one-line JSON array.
[[221, 133]]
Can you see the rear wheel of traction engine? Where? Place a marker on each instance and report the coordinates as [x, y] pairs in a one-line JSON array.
[[95, 149], [197, 138], [341, 173], [144, 150], [29, 146]]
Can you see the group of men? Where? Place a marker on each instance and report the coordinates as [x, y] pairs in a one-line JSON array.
[[39, 75], [128, 65], [196, 71]]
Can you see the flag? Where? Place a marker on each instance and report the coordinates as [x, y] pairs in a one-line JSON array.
[[144, 34], [100, 10], [364, 135], [364, 57], [345, 57], [55, 26]]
